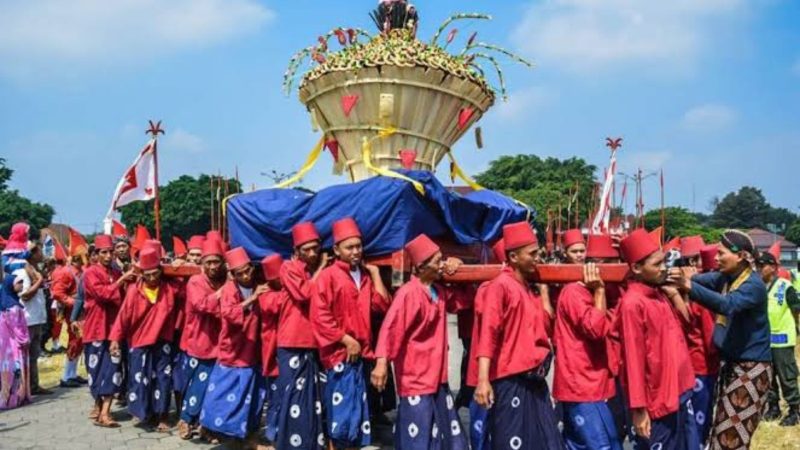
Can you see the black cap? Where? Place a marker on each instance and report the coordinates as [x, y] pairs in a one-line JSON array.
[[766, 258]]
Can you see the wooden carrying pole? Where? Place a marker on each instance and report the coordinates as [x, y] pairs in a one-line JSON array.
[[154, 130]]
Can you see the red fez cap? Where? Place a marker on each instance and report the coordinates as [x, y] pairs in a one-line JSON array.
[[708, 257], [518, 235], [236, 258], [421, 249], [691, 245], [212, 247], [499, 249], [103, 242], [572, 237], [149, 259], [196, 242], [345, 229], [271, 265], [637, 246], [303, 233], [673, 244], [214, 234], [601, 246]]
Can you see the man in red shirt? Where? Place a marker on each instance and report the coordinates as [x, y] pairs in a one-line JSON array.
[[344, 297], [201, 333], [235, 393], [658, 371], [194, 249], [64, 288], [103, 287], [146, 322], [514, 350], [298, 358], [583, 380], [574, 247], [269, 306], [414, 338]]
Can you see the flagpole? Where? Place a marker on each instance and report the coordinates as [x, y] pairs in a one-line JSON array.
[[155, 130]]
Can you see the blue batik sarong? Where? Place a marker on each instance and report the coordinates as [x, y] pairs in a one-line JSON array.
[[478, 426], [234, 401], [429, 422], [703, 399], [198, 372], [522, 416], [346, 406], [180, 371], [150, 383], [105, 371], [590, 426], [300, 419], [676, 431]]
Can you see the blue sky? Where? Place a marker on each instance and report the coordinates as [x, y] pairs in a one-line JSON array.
[[707, 89]]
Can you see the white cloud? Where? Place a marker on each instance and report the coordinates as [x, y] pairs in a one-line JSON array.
[[586, 35], [182, 140], [522, 103], [709, 117], [51, 37]]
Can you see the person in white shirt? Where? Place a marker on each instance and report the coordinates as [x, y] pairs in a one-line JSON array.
[[34, 304]]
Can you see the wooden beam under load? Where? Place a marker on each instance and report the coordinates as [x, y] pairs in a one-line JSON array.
[[470, 273]]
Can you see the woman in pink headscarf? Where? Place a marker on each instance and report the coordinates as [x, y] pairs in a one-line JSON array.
[[14, 341]]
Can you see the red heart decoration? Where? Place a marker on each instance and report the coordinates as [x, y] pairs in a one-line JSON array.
[[408, 157], [333, 147], [348, 103], [463, 117]]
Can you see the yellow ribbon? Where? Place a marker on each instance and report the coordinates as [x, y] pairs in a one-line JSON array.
[[310, 161], [456, 171], [366, 154]]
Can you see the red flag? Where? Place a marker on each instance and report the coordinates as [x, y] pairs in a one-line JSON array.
[[775, 250], [139, 181], [142, 235], [118, 229], [60, 254], [178, 246], [77, 243]]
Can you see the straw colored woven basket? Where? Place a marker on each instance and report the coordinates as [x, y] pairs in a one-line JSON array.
[[423, 104]]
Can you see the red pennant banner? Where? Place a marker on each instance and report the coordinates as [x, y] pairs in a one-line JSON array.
[[333, 147], [348, 103], [408, 157], [464, 116]]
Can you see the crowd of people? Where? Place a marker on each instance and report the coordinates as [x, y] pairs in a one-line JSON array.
[[691, 350]]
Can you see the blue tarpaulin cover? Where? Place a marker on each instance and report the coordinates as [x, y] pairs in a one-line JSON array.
[[389, 212]]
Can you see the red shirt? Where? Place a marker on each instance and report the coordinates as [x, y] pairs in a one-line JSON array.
[[514, 328], [704, 355], [657, 368], [414, 337], [102, 299], [339, 307], [142, 323], [269, 307], [201, 325], [477, 320], [295, 325], [64, 284], [238, 336], [582, 371]]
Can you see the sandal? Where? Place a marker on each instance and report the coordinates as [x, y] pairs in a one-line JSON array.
[[106, 422], [184, 430], [94, 413], [208, 436], [163, 427]]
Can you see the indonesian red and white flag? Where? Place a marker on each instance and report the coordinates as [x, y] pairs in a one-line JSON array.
[[600, 223], [139, 181]]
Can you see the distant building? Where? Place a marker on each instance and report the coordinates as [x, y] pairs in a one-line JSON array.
[[764, 240]]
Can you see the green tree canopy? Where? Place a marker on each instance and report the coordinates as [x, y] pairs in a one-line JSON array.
[[681, 222], [185, 208], [16, 208], [793, 233], [542, 183]]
